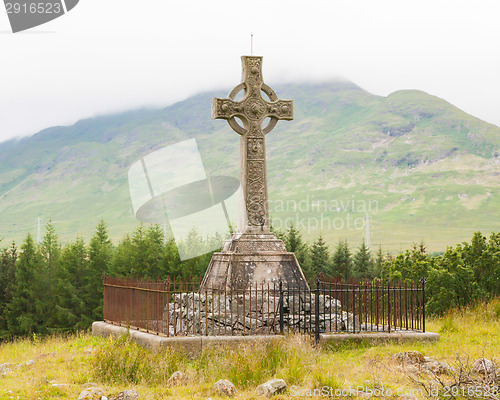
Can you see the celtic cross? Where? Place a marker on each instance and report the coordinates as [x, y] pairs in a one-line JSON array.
[[252, 110]]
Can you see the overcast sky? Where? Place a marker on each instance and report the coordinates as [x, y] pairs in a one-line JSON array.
[[111, 55]]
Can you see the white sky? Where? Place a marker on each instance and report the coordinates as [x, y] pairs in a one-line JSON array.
[[111, 55]]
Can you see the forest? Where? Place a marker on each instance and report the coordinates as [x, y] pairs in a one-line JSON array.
[[49, 287]]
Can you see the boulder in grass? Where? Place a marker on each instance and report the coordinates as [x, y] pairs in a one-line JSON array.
[[437, 368], [128, 394], [4, 369], [93, 393], [224, 388], [482, 365], [89, 385], [410, 357], [177, 378], [271, 387]]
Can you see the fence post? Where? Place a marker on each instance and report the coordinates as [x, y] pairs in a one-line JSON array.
[[389, 318], [422, 281], [281, 305], [104, 298], [166, 288], [316, 312]]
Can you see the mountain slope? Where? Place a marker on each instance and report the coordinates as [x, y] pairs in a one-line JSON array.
[[420, 167]]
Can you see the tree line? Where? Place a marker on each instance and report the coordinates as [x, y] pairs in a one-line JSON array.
[[342, 262], [455, 279], [48, 287]]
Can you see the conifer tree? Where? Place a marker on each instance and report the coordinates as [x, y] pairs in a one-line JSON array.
[[294, 243], [8, 258], [320, 257], [100, 253], [342, 260], [293, 240], [47, 280], [72, 311], [171, 262], [363, 263], [22, 316], [195, 267], [121, 262], [378, 263], [154, 242]]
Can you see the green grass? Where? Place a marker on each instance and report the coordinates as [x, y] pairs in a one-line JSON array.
[[120, 364]]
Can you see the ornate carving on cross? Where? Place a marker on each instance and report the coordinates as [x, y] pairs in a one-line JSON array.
[[252, 110]]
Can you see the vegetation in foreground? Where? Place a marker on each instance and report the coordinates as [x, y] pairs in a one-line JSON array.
[[61, 367]]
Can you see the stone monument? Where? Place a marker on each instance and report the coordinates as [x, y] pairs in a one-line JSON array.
[[253, 255]]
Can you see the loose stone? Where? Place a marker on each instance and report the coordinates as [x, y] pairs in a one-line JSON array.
[[224, 388]]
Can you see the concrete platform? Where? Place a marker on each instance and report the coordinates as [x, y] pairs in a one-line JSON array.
[[193, 345], [379, 337]]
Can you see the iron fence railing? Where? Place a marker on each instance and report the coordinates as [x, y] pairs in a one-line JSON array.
[[177, 308]]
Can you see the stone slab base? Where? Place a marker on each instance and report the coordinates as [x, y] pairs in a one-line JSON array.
[[193, 345], [379, 337], [253, 259]]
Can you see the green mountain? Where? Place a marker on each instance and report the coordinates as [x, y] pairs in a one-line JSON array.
[[419, 167]]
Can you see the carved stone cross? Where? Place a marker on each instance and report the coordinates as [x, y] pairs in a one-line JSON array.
[[252, 110]]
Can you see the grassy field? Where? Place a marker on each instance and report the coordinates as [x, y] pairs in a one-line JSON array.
[[59, 367]]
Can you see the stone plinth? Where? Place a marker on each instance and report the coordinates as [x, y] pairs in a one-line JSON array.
[[249, 259]]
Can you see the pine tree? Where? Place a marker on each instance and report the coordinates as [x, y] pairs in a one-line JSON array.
[[22, 317], [100, 253], [378, 264], [47, 283], [146, 255], [320, 258], [171, 263], [278, 233], [342, 261], [198, 248], [293, 240], [155, 250], [8, 258], [294, 243], [71, 308], [363, 263], [121, 262], [131, 255]]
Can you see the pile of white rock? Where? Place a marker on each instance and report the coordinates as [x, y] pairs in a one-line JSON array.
[[218, 313]]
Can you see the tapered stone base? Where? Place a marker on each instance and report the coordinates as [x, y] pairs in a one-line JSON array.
[[249, 259]]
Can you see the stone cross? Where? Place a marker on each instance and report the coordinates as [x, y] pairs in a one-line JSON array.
[[252, 110]]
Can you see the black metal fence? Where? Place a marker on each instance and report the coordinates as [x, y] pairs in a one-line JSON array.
[[176, 308]]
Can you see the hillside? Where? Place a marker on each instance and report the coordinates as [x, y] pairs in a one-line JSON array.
[[419, 166]]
